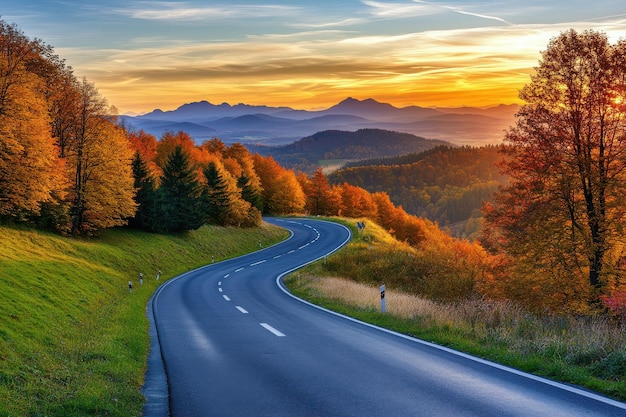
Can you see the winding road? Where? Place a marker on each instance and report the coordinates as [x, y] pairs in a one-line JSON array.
[[229, 340]]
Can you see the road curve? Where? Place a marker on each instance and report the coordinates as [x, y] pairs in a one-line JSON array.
[[234, 343]]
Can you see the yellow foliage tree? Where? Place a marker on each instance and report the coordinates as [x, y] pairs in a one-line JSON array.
[[100, 166], [30, 171]]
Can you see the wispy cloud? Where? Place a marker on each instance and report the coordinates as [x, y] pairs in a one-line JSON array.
[[423, 8], [482, 16], [321, 25], [164, 11], [390, 10]]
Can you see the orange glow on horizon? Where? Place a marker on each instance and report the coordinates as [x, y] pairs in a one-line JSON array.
[[319, 94], [452, 68]]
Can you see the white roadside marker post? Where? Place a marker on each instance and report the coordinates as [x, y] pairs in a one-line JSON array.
[[383, 306]]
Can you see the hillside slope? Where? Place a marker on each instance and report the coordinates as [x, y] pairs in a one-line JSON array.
[[307, 153], [445, 184], [73, 339]]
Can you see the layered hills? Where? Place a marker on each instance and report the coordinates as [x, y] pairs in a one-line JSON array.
[[282, 125], [447, 185], [334, 148]]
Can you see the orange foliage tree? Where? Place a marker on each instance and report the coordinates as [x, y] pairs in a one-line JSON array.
[[356, 202], [282, 193], [320, 198], [144, 143], [169, 142], [562, 217]]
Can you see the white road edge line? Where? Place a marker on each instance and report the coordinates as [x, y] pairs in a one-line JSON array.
[[226, 297], [272, 330], [546, 381], [243, 310]]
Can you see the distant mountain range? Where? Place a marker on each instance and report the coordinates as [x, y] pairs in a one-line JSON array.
[[282, 125]]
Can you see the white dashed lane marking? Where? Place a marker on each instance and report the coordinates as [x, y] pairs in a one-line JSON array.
[[272, 330]]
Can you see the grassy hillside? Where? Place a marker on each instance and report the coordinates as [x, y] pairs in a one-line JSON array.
[[73, 340]]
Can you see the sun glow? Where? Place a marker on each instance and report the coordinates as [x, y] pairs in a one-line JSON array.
[[307, 56]]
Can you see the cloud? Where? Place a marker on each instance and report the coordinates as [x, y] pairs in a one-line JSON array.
[[343, 22], [164, 11], [482, 16], [391, 10]]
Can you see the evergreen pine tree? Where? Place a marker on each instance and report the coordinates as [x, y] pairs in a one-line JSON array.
[[179, 207], [145, 184], [216, 197], [250, 193]]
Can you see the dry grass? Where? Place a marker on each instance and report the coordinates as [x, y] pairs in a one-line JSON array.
[[574, 340], [430, 295]]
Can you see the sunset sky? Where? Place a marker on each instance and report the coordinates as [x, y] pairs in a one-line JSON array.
[[307, 54]]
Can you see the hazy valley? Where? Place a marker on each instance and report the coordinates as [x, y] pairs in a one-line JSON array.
[[282, 125]]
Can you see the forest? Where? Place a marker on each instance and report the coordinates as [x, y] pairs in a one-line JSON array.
[[305, 154], [552, 236], [447, 185]]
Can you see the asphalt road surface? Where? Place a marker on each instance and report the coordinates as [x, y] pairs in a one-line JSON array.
[[235, 343]]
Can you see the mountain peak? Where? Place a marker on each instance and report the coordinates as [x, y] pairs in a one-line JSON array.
[[368, 108]]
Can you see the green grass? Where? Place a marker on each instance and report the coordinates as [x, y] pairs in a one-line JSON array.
[[73, 340]]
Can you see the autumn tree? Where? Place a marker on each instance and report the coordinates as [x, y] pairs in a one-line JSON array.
[[99, 167], [563, 213], [169, 142], [320, 199], [214, 146], [144, 143], [30, 171], [357, 202], [282, 193]]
